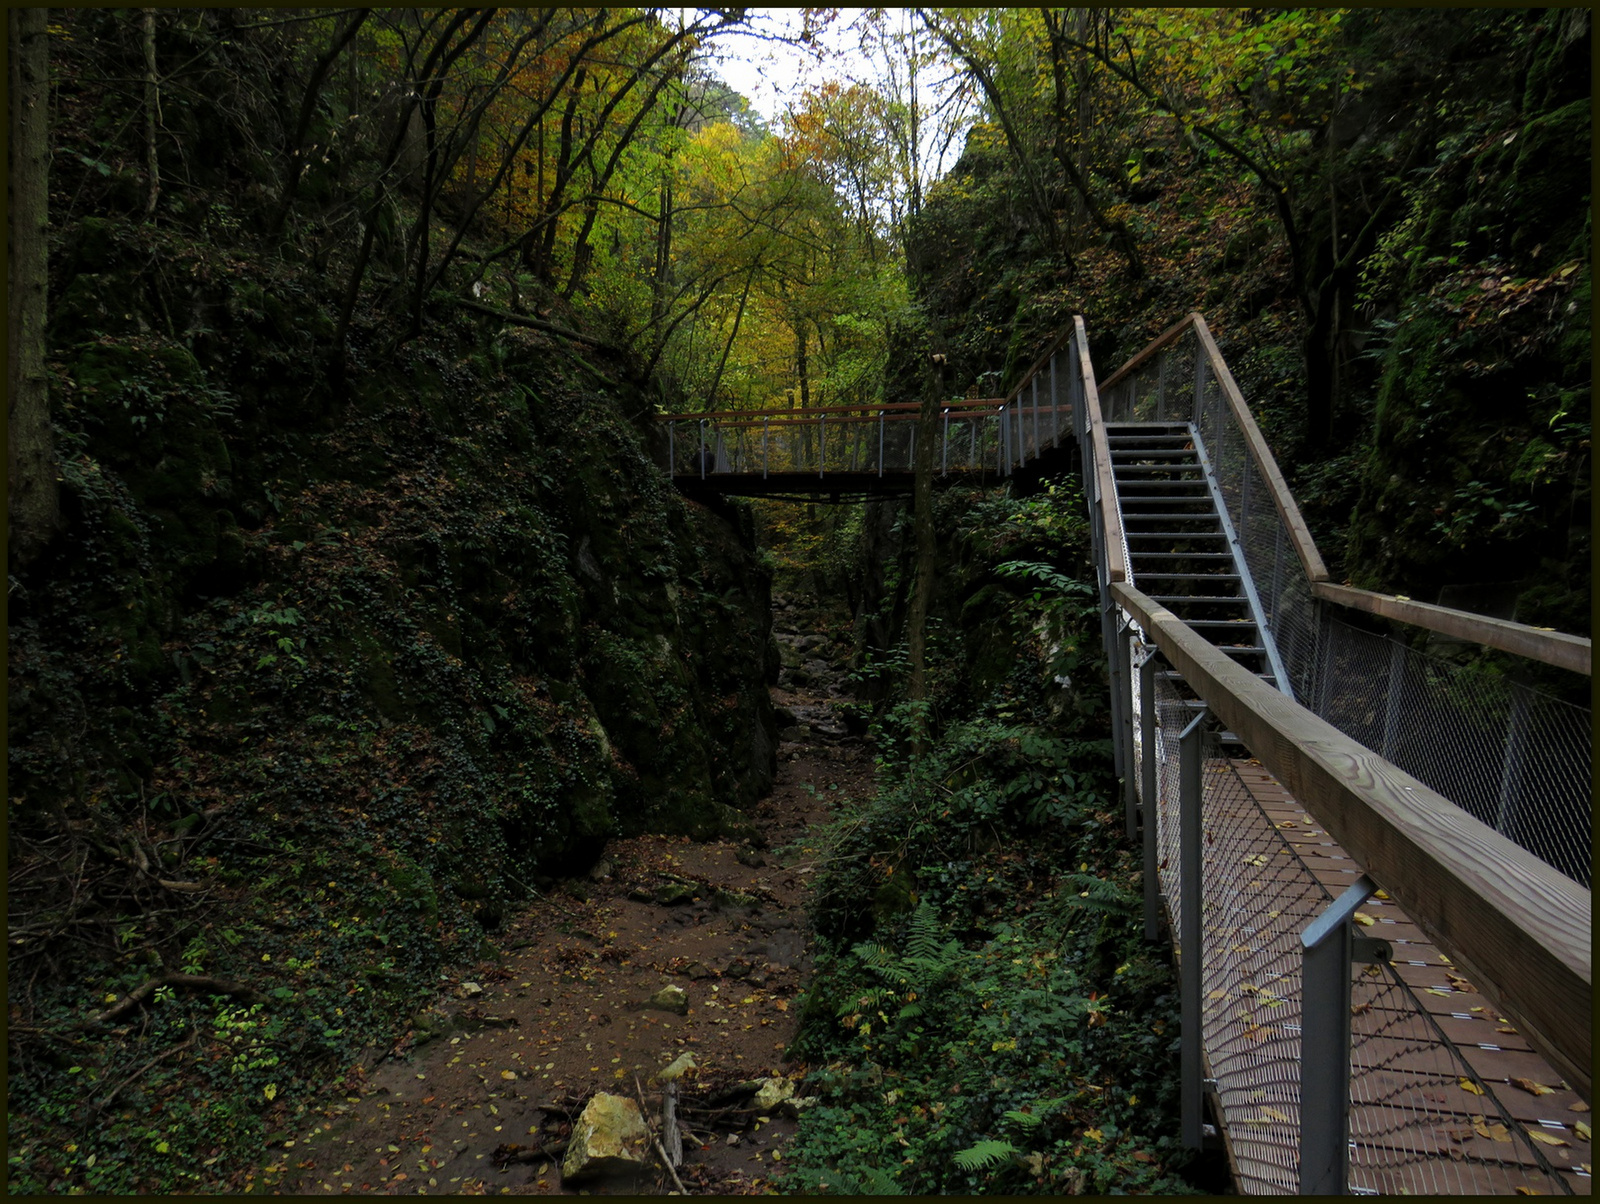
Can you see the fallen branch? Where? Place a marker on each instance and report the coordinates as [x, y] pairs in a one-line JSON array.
[[506, 315], [192, 982], [506, 1155], [138, 1074]]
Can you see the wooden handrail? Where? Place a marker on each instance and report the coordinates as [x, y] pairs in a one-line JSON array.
[[1518, 929], [1165, 339], [1550, 647], [1110, 512], [786, 421], [1282, 499], [1039, 364]]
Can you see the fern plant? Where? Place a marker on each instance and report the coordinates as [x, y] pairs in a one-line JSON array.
[[985, 1155]]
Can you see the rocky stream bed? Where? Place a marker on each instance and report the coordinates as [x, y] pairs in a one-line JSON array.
[[667, 947]]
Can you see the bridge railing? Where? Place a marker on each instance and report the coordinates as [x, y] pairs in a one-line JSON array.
[[1273, 999], [1514, 757], [971, 436]]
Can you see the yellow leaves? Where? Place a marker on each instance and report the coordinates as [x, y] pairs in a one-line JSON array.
[[1364, 919], [1494, 1132], [509, 1076], [1580, 1106], [270, 1091], [1533, 1088], [1581, 1128], [1467, 1084], [1544, 1138], [1095, 1135]]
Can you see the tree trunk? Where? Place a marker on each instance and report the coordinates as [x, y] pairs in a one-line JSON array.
[[152, 104], [922, 501], [34, 514], [738, 317]]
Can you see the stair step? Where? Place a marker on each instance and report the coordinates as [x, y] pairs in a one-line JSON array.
[[1164, 598], [1175, 534], [1239, 625], [1153, 453], [1218, 577], [1143, 428], [1117, 470], [1228, 556], [1207, 515]]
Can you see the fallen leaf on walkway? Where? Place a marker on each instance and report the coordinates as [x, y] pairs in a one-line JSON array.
[[1544, 1138], [1532, 1087], [1468, 1085]]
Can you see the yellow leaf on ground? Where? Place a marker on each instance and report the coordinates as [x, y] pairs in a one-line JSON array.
[[1544, 1138], [1524, 1190], [1364, 919], [1582, 1131], [1580, 1106], [1532, 1087], [1468, 1085]]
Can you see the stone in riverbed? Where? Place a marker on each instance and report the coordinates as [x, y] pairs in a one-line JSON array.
[[609, 1135], [670, 998], [669, 893]]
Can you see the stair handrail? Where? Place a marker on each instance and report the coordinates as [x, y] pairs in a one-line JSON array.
[[1564, 651], [1519, 929], [1282, 500], [1106, 489]]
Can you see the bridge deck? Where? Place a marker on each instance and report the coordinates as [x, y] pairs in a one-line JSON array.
[[1413, 1127]]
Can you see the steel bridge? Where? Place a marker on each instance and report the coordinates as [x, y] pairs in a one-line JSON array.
[[1373, 865]]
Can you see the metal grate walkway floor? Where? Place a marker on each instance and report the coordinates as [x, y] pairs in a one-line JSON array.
[[1417, 1125]]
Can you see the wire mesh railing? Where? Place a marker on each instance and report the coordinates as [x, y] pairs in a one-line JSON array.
[[1421, 1119], [1515, 758]]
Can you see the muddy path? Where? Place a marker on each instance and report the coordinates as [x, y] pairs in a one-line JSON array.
[[479, 1097]]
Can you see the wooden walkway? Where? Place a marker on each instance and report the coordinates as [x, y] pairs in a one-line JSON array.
[[1460, 1146]]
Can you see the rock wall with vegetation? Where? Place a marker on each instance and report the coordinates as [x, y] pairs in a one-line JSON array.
[[1384, 215], [318, 678]]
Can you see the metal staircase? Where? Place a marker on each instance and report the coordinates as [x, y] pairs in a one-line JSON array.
[[1182, 549]]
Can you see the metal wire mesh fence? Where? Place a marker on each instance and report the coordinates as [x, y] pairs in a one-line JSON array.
[[1511, 757], [1421, 1120], [1517, 759]]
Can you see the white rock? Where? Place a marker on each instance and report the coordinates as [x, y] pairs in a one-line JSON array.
[[470, 990], [772, 1092]]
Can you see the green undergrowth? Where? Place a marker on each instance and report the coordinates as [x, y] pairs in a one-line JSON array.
[[985, 1015]]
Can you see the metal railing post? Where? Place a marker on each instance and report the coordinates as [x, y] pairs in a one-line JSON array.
[[1511, 767], [944, 448], [702, 449], [766, 424], [821, 444], [1130, 802], [880, 443], [1328, 946], [1191, 984], [672, 448], [1055, 405], [1150, 788], [1395, 712], [1002, 435], [1037, 446]]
